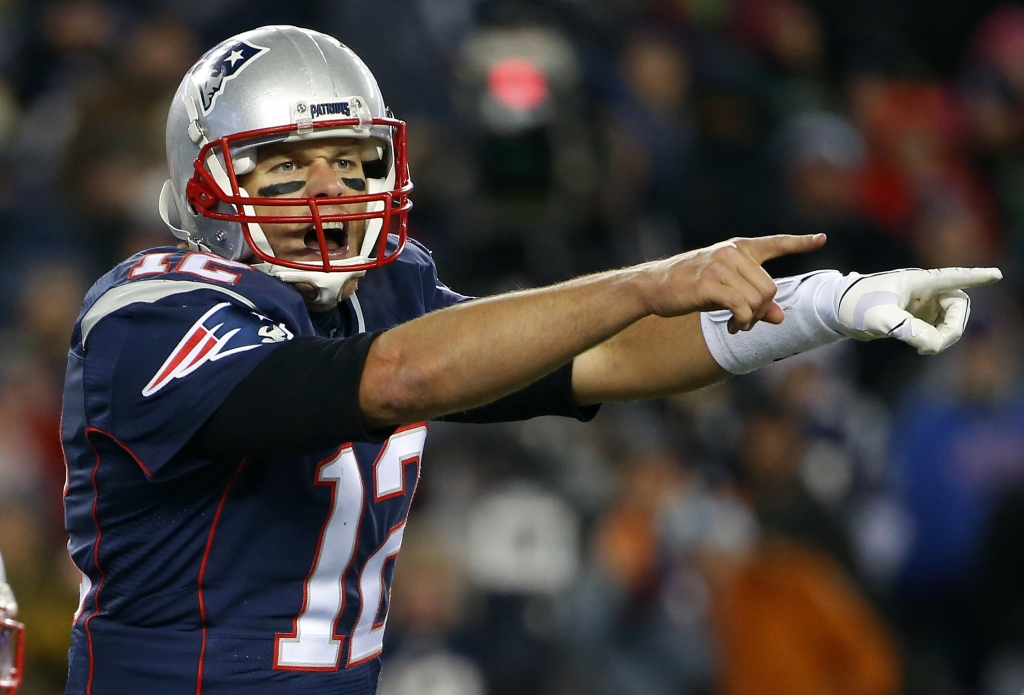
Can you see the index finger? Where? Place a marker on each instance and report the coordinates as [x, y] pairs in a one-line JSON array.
[[946, 279], [765, 248]]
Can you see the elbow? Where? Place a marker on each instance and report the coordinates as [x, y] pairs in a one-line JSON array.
[[394, 388], [588, 386]]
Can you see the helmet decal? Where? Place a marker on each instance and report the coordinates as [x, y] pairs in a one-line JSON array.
[[216, 69]]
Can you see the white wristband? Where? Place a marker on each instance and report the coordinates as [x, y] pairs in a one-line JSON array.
[[810, 304]]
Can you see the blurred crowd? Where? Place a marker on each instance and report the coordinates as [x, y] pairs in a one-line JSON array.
[[842, 522]]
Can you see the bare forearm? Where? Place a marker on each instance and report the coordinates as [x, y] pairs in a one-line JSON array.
[[474, 353], [652, 358]]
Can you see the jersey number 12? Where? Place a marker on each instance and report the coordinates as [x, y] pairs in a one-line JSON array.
[[313, 644]]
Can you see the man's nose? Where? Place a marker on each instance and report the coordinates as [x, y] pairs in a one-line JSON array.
[[323, 181]]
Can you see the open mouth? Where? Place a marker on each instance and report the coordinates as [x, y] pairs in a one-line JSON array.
[[335, 236]]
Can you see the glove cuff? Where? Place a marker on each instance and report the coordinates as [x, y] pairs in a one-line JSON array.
[[809, 302]]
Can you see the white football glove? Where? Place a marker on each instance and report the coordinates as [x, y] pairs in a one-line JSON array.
[[927, 309]]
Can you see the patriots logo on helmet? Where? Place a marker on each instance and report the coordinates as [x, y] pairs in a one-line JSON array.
[[218, 69]]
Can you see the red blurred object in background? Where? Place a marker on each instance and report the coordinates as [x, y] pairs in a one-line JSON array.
[[518, 84]]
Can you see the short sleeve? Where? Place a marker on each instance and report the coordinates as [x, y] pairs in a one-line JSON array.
[[440, 296], [157, 371], [436, 294]]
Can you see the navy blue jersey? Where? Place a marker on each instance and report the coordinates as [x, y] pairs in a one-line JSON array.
[[206, 575]]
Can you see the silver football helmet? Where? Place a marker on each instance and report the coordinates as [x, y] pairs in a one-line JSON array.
[[12, 638], [274, 84]]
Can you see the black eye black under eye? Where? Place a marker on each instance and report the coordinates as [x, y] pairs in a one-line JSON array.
[[355, 184], [276, 189]]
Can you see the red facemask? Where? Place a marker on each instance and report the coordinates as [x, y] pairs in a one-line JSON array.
[[12, 648], [210, 200]]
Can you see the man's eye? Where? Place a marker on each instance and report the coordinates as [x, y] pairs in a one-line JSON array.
[[344, 164], [285, 167]]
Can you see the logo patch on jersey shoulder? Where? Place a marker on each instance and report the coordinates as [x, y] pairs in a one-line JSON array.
[[202, 344], [274, 334], [218, 69]]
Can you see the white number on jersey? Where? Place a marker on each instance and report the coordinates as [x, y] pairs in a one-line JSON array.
[[312, 645], [200, 264]]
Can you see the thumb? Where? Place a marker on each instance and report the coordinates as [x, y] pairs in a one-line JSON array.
[[765, 248]]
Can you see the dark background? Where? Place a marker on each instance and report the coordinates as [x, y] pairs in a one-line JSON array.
[[843, 522]]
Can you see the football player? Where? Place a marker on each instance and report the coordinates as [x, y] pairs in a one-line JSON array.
[[12, 637], [244, 415]]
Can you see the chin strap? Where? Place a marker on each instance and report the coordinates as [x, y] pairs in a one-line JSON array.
[[328, 285]]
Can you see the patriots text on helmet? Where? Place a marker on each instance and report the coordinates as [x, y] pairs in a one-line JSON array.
[[333, 108]]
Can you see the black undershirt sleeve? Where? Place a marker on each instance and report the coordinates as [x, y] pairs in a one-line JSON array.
[[549, 395], [304, 397]]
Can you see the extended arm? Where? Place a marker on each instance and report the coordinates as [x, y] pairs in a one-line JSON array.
[[474, 353], [634, 334]]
